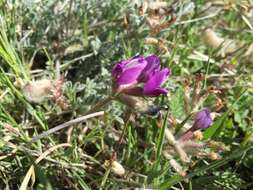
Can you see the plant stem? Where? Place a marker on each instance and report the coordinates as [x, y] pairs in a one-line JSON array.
[[100, 104], [127, 118]]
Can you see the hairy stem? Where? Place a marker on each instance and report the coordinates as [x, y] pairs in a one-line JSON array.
[[100, 104]]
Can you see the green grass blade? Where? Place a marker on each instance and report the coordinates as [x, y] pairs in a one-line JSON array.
[[161, 137]]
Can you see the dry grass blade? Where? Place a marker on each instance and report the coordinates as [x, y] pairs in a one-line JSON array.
[[67, 124], [30, 172]]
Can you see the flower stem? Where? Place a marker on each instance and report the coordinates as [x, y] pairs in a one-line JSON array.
[[100, 104], [126, 122]]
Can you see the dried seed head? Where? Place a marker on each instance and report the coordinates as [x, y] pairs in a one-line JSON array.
[[163, 47], [10, 128], [19, 82], [62, 102], [198, 135], [181, 153], [159, 120], [143, 8], [38, 91], [199, 77], [191, 146], [170, 137], [157, 5], [166, 24], [211, 39], [176, 145], [216, 145], [175, 165], [173, 122], [153, 22], [219, 104], [214, 156], [151, 41], [73, 49], [213, 89], [249, 52], [117, 168], [186, 83]]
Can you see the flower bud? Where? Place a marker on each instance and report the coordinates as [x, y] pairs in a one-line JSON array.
[[203, 119], [38, 91], [117, 168]]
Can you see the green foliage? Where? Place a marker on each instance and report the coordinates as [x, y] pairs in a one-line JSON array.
[[176, 103]]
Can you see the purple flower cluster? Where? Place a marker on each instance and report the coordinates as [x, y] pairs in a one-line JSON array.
[[140, 76]]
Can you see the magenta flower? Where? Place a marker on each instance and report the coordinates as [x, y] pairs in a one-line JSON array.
[[140, 76], [203, 119]]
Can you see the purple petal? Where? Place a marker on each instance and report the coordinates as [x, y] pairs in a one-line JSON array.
[[118, 68], [153, 59], [204, 123], [202, 114], [131, 72], [135, 62], [153, 84], [153, 65], [203, 119]]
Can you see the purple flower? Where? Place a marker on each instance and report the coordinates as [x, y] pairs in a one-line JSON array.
[[203, 119], [126, 72], [140, 76]]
